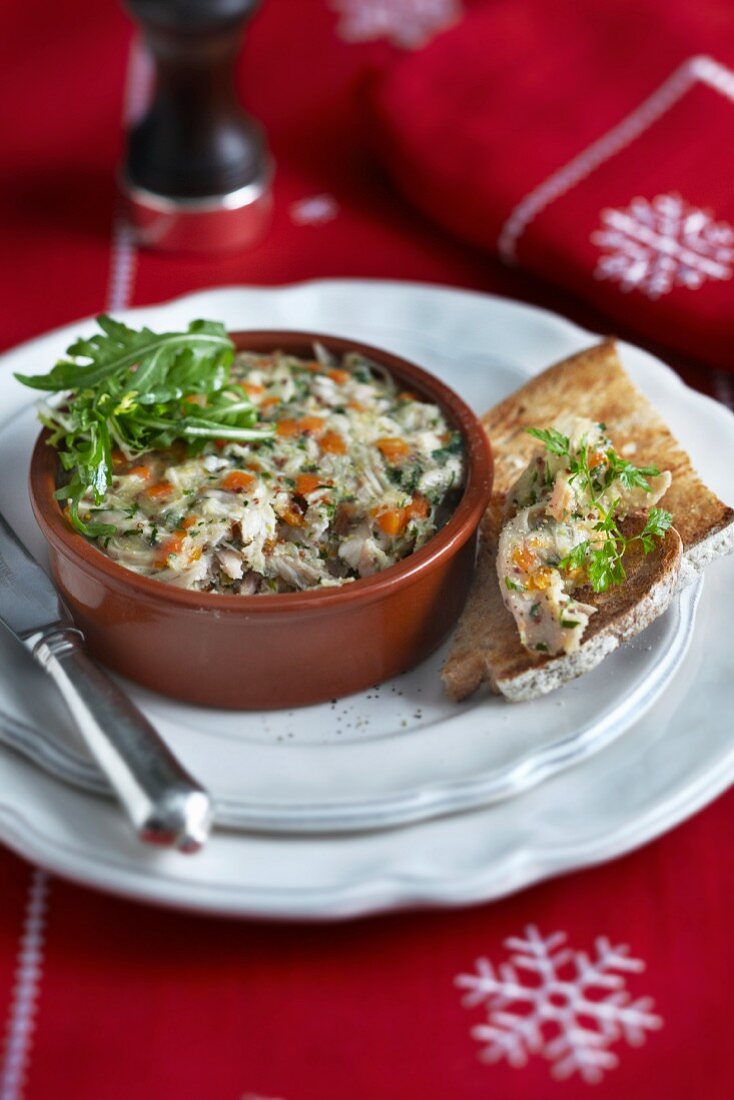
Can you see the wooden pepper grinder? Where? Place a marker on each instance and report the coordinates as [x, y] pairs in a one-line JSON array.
[[196, 174]]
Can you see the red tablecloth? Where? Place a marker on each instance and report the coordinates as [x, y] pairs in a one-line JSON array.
[[587, 143], [104, 999]]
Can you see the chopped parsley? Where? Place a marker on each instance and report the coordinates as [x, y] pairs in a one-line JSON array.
[[601, 560]]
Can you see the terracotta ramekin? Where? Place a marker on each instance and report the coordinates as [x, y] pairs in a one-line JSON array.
[[258, 652]]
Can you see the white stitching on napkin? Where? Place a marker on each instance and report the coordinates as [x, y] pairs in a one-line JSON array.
[[696, 69], [656, 245], [122, 266], [21, 1021], [26, 992], [409, 24], [139, 82], [569, 1006], [314, 210]]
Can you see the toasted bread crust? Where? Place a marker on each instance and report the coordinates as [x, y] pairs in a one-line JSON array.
[[595, 384], [486, 645]]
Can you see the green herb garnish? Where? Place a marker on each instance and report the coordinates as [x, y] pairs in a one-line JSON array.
[[631, 477], [602, 559], [138, 390], [454, 446], [604, 563], [599, 478], [555, 442]]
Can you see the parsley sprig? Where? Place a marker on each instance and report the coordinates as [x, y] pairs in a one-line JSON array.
[[604, 562], [602, 559], [555, 442], [599, 477], [138, 390]]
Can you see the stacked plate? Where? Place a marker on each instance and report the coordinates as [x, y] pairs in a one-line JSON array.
[[394, 797]]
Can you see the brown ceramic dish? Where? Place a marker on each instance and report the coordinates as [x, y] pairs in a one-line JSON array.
[[281, 650]]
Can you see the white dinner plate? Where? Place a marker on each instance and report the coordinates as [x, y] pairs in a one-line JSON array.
[[401, 751], [668, 763]]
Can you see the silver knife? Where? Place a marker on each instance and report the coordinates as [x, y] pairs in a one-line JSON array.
[[164, 803]]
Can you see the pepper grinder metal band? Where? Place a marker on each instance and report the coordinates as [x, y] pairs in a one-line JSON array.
[[197, 174]]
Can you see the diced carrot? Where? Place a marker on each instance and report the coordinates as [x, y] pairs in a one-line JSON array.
[[524, 558], [596, 459], [252, 389], [313, 365], [418, 507], [195, 399], [311, 424], [237, 481], [332, 443], [190, 521], [287, 428], [143, 472], [306, 483], [171, 545], [393, 521], [268, 402], [355, 406], [118, 458], [392, 448], [339, 376], [160, 490], [220, 444], [540, 579], [406, 395], [292, 516]]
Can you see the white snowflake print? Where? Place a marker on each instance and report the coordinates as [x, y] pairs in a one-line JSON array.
[[315, 210], [407, 23], [566, 1005], [654, 246]]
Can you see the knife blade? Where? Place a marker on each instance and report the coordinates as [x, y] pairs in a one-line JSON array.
[[28, 600], [165, 805]]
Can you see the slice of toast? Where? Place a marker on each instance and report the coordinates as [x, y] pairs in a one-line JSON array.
[[486, 645]]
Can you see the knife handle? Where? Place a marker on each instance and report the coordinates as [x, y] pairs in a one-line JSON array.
[[165, 805]]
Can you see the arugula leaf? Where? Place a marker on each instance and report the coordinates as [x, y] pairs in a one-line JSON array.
[[138, 390], [555, 442], [118, 348]]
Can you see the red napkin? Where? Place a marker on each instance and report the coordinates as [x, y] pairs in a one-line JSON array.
[[591, 143]]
